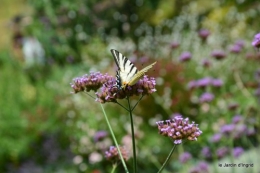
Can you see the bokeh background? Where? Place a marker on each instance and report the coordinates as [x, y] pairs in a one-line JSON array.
[[206, 70]]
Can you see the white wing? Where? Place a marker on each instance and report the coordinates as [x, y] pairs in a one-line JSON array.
[[125, 67], [127, 73]]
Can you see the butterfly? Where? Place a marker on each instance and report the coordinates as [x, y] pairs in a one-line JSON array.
[[127, 74]]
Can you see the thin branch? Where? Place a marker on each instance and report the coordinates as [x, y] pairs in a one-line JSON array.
[[122, 106], [168, 159], [137, 102], [90, 95]]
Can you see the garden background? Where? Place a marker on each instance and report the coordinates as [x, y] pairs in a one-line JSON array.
[[207, 70]]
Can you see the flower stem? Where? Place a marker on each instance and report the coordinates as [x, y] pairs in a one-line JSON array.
[[168, 159], [137, 102], [114, 139], [122, 106], [133, 135], [114, 168]]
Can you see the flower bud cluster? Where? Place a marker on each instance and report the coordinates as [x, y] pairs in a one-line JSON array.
[[93, 81], [179, 129], [110, 92], [113, 155]]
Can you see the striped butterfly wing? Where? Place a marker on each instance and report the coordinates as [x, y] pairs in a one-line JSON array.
[[127, 73]]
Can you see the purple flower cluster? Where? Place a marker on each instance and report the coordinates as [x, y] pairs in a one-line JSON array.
[[185, 56], [179, 129], [93, 81], [206, 63], [174, 44], [100, 135], [256, 41], [238, 151], [222, 152], [202, 167], [236, 129], [109, 93], [203, 34], [204, 82], [184, 157], [113, 155], [206, 97]]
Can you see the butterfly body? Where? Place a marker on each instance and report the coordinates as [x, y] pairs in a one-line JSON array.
[[127, 73]]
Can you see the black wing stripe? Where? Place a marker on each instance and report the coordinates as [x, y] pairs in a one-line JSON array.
[[130, 71], [115, 54]]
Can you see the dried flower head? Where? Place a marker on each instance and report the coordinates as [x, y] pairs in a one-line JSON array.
[[179, 129], [113, 155], [256, 41]]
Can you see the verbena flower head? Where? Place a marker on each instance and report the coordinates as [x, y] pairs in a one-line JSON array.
[[93, 81], [236, 119], [216, 137], [206, 63], [204, 82], [206, 152], [206, 97], [202, 167], [218, 54], [192, 84], [185, 56], [240, 43], [221, 152], [227, 129], [110, 93], [217, 82], [100, 135], [174, 44], [107, 85], [256, 41], [179, 129], [235, 49], [184, 157], [238, 151], [203, 34], [113, 155]]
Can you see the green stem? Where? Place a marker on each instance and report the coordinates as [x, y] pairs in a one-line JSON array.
[[133, 135], [122, 106], [114, 168], [114, 139], [168, 159], [137, 102]]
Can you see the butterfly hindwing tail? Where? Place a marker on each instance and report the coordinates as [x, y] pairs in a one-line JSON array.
[[140, 74]]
